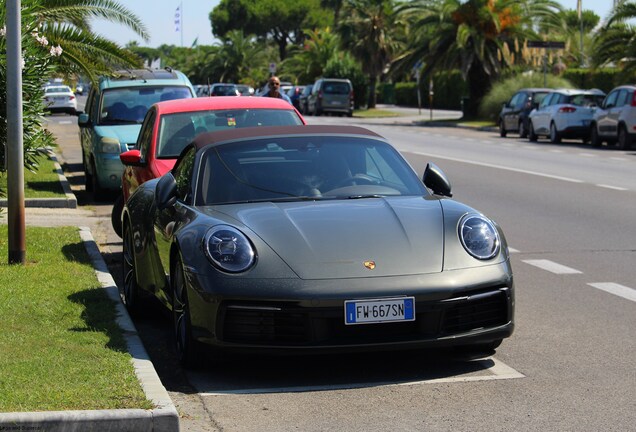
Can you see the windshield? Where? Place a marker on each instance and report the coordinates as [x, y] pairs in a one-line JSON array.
[[129, 105], [587, 100], [304, 168], [178, 130]]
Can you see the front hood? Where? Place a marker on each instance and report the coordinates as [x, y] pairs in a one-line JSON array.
[[334, 239], [126, 134]]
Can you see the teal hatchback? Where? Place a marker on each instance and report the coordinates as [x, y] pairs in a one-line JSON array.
[[115, 110]]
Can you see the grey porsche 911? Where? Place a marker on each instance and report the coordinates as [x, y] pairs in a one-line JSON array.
[[313, 239]]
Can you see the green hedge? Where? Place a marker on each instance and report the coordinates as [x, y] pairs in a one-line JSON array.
[[448, 90], [604, 79]]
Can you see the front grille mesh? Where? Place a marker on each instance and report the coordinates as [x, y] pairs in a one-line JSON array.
[[291, 325]]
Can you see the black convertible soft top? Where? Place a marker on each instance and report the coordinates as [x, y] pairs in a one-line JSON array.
[[209, 138]]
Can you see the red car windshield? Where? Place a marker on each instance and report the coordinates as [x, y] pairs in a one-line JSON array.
[[178, 130]]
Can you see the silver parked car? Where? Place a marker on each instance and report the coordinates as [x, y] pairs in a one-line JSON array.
[[331, 95], [565, 113], [615, 120]]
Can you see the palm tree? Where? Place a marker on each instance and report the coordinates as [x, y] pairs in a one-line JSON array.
[[66, 23], [616, 40], [473, 36], [366, 31], [308, 63]]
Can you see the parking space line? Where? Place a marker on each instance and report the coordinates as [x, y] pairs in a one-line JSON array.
[[552, 267], [616, 289], [618, 188], [500, 371]]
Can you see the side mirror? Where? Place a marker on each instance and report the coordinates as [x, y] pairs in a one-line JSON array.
[[131, 158], [435, 179], [83, 120], [166, 191]]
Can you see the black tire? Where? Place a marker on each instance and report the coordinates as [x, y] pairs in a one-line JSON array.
[[502, 129], [531, 135], [186, 347], [624, 141], [96, 188], [129, 290], [523, 132], [88, 177], [555, 137], [115, 215], [595, 140]]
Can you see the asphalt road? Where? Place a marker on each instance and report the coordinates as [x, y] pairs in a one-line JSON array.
[[567, 211]]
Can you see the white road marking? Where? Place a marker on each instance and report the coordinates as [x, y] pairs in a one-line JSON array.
[[499, 371], [556, 151], [620, 159], [65, 122], [616, 289], [505, 168], [513, 250], [618, 188], [589, 155], [552, 267]]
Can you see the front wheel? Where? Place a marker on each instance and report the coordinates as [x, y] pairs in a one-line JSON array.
[[129, 291], [186, 346], [502, 129], [555, 137], [624, 140], [531, 135]]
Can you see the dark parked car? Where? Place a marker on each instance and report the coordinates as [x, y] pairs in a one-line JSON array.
[[303, 99], [313, 238], [514, 113], [294, 95]]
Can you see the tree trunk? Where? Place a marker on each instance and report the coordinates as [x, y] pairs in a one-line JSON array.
[[373, 79], [479, 83]]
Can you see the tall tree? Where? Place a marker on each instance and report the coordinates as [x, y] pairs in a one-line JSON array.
[[282, 21], [366, 32], [473, 36], [66, 23], [309, 61], [616, 40]]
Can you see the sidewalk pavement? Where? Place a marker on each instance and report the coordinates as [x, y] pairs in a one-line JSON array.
[[164, 417]]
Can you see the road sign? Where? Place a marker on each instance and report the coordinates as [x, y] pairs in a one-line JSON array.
[[546, 44], [272, 68]]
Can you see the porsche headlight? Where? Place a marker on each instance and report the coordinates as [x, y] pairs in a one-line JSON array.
[[229, 249], [110, 145], [479, 236]]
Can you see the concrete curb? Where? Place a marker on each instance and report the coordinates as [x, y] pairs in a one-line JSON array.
[[163, 418], [70, 201]]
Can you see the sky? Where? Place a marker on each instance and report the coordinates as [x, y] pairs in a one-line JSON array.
[[159, 18]]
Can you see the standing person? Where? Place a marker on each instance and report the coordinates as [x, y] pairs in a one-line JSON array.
[[274, 90]]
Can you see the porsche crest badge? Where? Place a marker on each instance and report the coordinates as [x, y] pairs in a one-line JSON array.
[[369, 264]]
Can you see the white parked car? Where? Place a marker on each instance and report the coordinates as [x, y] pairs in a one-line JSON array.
[[615, 120], [60, 98], [565, 113]]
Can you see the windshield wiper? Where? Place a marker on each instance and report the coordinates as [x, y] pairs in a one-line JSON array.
[[365, 196]]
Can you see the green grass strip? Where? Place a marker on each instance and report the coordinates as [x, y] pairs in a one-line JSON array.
[[44, 183], [60, 347]]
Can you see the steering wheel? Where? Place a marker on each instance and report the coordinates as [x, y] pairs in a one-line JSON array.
[[357, 179]]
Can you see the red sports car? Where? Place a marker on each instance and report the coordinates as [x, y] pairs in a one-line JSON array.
[[169, 126]]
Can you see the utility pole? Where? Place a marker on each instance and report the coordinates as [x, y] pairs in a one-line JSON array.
[[14, 147]]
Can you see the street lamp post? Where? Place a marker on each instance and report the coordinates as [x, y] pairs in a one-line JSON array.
[[14, 145]]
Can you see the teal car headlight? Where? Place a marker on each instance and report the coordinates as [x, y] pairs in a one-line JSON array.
[[479, 236], [229, 249], [109, 145]]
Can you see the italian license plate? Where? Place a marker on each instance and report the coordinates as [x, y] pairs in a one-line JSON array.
[[372, 311]]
